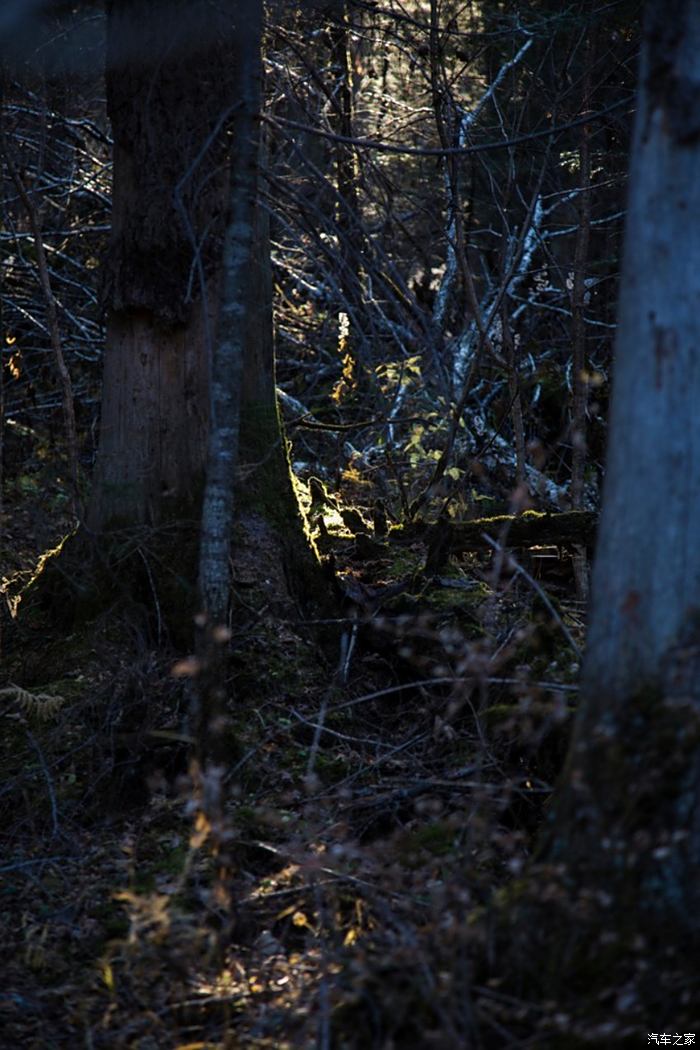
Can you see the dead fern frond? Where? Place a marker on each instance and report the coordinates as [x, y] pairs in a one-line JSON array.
[[35, 705]]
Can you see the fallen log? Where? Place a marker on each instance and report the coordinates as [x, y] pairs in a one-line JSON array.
[[530, 529]]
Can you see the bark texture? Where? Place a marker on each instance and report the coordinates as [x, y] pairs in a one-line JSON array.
[[170, 96], [170, 91], [626, 821], [234, 324], [269, 510], [154, 424], [647, 577]]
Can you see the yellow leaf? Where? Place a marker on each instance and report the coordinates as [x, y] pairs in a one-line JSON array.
[[454, 472], [202, 827], [416, 434], [108, 976]]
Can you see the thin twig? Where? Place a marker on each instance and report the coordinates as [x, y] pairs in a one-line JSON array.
[[49, 781], [52, 321], [539, 591], [457, 151]]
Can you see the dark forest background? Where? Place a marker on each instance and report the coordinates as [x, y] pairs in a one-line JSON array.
[[305, 795]]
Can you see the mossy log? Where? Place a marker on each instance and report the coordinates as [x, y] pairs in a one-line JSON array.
[[531, 529]]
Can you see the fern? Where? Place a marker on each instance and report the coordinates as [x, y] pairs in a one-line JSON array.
[[35, 705]]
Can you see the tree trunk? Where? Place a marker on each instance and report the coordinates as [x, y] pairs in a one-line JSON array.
[[174, 88], [170, 92], [154, 422], [347, 208], [234, 323], [270, 517], [625, 825]]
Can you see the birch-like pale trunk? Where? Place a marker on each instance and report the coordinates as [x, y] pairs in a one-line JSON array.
[[227, 363], [647, 576]]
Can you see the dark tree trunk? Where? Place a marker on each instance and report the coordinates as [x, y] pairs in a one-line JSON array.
[[270, 513], [625, 827], [170, 92], [177, 82]]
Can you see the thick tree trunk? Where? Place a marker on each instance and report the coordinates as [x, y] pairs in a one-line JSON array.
[[179, 88], [625, 826], [647, 577], [155, 416], [170, 94]]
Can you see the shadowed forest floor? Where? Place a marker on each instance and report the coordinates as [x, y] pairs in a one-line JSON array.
[[376, 803]]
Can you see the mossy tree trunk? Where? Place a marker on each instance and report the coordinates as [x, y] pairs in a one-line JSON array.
[[268, 497], [174, 92], [625, 827]]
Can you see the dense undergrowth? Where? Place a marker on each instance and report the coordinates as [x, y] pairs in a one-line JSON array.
[[379, 801], [374, 882]]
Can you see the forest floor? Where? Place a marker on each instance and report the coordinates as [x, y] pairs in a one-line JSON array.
[[377, 803]]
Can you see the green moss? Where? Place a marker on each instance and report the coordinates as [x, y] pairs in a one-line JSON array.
[[173, 860], [494, 716], [112, 919], [404, 562], [246, 818], [144, 882], [501, 519], [436, 839], [447, 598], [331, 768]]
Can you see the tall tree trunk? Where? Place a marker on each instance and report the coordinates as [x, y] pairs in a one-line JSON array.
[[176, 85], [270, 512], [234, 321], [626, 822], [347, 208], [170, 92]]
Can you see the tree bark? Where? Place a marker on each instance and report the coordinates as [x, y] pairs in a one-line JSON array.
[[183, 89], [625, 823], [234, 323], [154, 422], [269, 511], [647, 577], [170, 94], [347, 207]]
